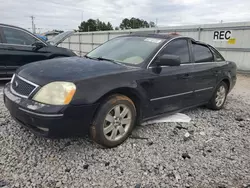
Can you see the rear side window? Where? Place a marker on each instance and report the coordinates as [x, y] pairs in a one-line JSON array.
[[178, 47], [217, 55], [202, 53], [15, 36]]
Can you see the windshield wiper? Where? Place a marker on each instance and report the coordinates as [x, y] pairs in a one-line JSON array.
[[103, 59], [90, 57], [111, 60]]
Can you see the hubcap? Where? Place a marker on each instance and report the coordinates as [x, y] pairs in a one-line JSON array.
[[220, 96], [117, 122]]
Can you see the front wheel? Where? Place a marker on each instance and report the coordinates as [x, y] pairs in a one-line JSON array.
[[114, 121], [219, 97]]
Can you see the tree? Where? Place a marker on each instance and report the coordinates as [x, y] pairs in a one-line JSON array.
[[151, 24], [98, 25], [89, 25], [145, 24], [109, 26], [125, 24], [116, 28], [94, 25], [134, 23]]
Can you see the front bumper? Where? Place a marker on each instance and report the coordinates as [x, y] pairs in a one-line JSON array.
[[49, 120]]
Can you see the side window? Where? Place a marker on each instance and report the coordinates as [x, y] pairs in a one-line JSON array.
[[178, 47], [202, 53], [217, 55], [14, 36]]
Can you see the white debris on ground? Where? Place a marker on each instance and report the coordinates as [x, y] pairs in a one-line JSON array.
[[210, 151], [178, 117]]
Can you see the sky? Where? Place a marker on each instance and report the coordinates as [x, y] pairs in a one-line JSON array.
[[68, 14]]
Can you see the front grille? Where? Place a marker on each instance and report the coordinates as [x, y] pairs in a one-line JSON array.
[[22, 87]]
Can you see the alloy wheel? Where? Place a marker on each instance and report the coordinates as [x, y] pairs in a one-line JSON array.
[[220, 96], [117, 122]]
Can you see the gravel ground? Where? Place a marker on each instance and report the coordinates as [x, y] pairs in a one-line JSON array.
[[213, 150]]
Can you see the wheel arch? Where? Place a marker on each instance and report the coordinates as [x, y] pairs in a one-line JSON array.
[[226, 77], [131, 93], [226, 80]]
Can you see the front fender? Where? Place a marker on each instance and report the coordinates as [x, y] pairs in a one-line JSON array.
[[91, 90]]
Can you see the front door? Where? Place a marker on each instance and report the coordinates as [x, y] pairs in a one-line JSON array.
[[170, 88], [18, 50]]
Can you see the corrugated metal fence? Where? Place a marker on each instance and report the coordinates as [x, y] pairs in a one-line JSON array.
[[231, 39]]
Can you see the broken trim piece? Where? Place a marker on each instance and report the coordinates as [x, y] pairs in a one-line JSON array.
[[178, 117]]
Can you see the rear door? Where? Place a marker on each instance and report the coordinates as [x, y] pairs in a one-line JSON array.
[[205, 72], [18, 50]]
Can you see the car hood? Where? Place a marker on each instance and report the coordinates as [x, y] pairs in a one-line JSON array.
[[69, 69], [60, 38], [60, 51]]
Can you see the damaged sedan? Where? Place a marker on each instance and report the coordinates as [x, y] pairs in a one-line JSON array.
[[125, 81]]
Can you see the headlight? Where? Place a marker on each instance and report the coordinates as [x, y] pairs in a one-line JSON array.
[[56, 93]]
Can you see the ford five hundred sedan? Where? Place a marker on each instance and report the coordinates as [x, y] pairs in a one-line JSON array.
[[123, 82]]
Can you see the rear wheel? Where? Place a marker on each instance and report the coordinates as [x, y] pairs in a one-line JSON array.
[[219, 97], [114, 121]]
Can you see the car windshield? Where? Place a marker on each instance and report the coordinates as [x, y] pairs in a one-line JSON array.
[[130, 50]]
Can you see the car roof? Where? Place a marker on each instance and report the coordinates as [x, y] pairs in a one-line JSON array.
[[153, 35], [1, 24], [166, 36], [25, 30], [16, 27]]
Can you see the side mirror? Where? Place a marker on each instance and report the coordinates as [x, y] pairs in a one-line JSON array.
[[168, 60], [37, 45]]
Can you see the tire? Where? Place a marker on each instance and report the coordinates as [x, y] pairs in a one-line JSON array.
[[114, 121], [219, 97]]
